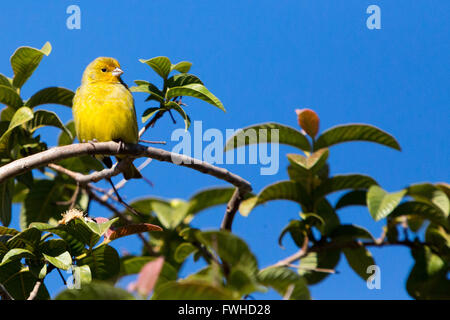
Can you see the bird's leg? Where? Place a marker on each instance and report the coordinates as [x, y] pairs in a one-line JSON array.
[[119, 198]]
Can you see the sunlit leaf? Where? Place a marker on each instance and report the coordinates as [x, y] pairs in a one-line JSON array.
[[161, 65], [25, 60], [281, 279], [21, 116], [62, 261], [380, 203], [16, 254], [51, 95], [183, 66], [195, 90]]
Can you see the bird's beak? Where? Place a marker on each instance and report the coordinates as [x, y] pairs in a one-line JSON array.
[[117, 72]]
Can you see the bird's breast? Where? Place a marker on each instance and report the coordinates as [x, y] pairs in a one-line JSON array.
[[105, 112]]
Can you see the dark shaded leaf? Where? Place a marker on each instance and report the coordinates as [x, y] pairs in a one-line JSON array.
[[355, 132], [262, 133], [9, 97], [95, 291]]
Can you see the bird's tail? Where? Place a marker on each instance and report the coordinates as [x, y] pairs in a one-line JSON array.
[[131, 172]]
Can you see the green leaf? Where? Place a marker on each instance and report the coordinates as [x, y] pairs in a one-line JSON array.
[[182, 79], [230, 248], [281, 279], [183, 251], [359, 259], [262, 133], [283, 190], [380, 203], [195, 90], [192, 290], [209, 198], [429, 276], [240, 280], [422, 210], [173, 105], [28, 239], [329, 216], [352, 198], [21, 283], [6, 116], [100, 228], [9, 97], [348, 232], [95, 291], [150, 112], [132, 265], [312, 163], [355, 132], [82, 275], [103, 261], [51, 95], [170, 214], [297, 229], [62, 261], [342, 182], [324, 259], [6, 196], [66, 139], [16, 254], [21, 116], [8, 231], [44, 118], [428, 193], [183, 66], [41, 202], [147, 87], [25, 60], [161, 65], [5, 81]]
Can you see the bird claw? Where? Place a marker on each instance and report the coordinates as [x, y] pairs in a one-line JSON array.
[[92, 142], [121, 146]]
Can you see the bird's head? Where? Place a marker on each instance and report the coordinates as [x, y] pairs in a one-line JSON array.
[[102, 69]]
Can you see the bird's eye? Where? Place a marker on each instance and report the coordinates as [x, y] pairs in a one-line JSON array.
[[104, 70]]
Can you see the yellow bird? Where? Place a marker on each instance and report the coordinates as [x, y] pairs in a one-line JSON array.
[[103, 108]]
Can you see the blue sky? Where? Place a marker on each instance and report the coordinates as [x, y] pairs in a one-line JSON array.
[[264, 59]]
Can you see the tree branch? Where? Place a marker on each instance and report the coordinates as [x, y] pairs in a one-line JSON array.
[[232, 207], [46, 157]]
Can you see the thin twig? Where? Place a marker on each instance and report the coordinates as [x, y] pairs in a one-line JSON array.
[[35, 290], [4, 294], [119, 214], [232, 207], [152, 142], [122, 182]]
